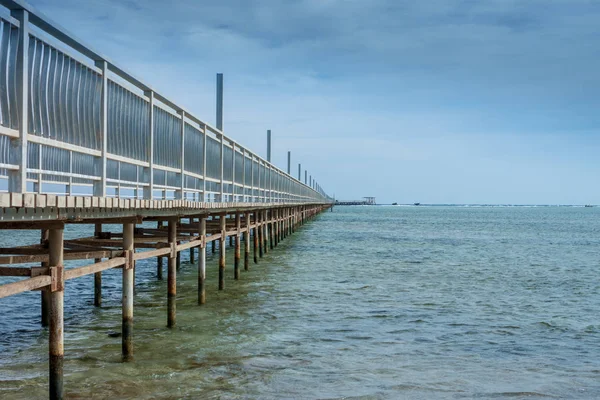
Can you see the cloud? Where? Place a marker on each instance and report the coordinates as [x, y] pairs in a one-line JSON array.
[[453, 91]]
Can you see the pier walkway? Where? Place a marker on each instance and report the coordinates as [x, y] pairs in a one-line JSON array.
[[82, 141]]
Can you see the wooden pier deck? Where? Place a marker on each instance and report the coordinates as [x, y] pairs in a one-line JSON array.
[[82, 141]]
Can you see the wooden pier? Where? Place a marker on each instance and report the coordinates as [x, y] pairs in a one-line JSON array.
[[82, 141], [180, 226]]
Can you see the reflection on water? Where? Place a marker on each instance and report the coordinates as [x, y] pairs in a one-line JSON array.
[[380, 302]]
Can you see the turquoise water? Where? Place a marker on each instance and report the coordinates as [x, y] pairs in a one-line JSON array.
[[364, 302]]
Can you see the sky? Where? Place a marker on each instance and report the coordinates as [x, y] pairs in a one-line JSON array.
[[433, 101]]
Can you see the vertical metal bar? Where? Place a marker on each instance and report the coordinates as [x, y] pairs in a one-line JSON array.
[[223, 227], [172, 276], [299, 172], [56, 325], [233, 172], [127, 297], [305, 176], [204, 197], [289, 170], [202, 261], [17, 180], [181, 191], [149, 190], [221, 161]]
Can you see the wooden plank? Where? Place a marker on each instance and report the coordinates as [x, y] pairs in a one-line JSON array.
[[189, 245], [214, 237], [15, 271], [25, 285], [32, 224], [92, 269], [152, 253]]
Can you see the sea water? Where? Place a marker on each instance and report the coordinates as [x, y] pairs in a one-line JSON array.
[[366, 302]]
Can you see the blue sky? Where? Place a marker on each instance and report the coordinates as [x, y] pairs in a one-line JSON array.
[[439, 101]]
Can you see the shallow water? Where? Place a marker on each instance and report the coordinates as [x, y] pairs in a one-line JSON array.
[[364, 302]]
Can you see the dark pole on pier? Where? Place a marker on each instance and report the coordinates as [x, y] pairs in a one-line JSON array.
[[255, 237], [220, 102], [269, 145]]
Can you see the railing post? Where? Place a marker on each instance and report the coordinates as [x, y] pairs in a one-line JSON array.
[[204, 197], [181, 194], [149, 190], [100, 186], [233, 172], [17, 181], [221, 161]]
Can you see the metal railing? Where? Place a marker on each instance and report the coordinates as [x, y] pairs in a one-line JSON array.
[[73, 122]]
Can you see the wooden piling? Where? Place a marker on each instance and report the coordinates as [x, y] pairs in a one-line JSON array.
[[271, 224], [255, 238], [236, 265], [172, 276], [56, 315], [45, 292], [265, 232], [247, 243], [97, 275], [222, 241], [192, 249], [202, 261], [127, 297], [259, 227], [159, 259]]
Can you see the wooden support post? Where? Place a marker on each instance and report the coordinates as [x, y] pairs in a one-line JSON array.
[[127, 298], [277, 225], [247, 243], [202, 261], [97, 275], [255, 238], [45, 292], [192, 249], [260, 233], [56, 314], [159, 259], [271, 226], [222, 241], [178, 259], [265, 232], [172, 275], [236, 265]]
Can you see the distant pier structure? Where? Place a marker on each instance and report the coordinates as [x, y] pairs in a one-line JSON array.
[[366, 201]]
